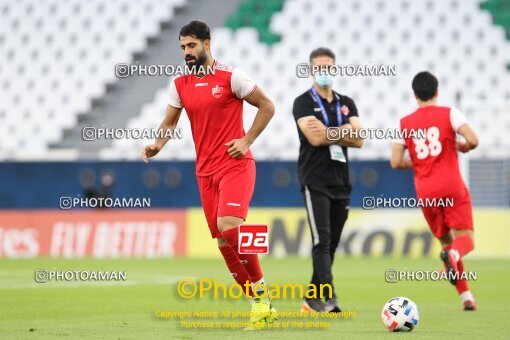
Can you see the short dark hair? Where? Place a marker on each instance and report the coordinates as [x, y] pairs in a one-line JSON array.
[[196, 28], [425, 85], [322, 52]]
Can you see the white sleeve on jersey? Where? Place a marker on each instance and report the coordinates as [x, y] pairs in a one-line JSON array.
[[457, 119], [400, 141], [242, 85], [175, 100]]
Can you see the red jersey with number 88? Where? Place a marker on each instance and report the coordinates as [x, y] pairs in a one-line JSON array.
[[434, 158]]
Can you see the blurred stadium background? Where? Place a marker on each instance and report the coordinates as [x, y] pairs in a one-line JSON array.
[[57, 77]]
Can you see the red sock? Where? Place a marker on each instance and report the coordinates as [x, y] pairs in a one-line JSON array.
[[249, 261], [237, 270], [461, 284], [463, 244]]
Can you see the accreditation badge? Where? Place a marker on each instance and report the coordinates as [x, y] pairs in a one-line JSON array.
[[337, 154]]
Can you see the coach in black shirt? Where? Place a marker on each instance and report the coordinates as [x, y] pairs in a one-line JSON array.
[[323, 168]]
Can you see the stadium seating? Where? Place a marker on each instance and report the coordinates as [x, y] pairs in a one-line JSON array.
[[363, 32], [257, 14], [454, 39], [57, 56], [46, 85], [500, 9]]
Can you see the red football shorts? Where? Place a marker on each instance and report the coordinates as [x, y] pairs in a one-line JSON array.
[[458, 216], [227, 193]]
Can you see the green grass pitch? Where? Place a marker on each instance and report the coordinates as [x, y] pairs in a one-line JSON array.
[[126, 310]]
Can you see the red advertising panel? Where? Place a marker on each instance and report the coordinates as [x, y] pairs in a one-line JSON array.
[[93, 233]]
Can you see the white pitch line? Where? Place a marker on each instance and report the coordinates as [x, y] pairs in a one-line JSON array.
[[29, 282]]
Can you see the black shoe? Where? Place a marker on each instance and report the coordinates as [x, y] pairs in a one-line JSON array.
[[313, 305], [332, 306], [469, 305], [450, 265]]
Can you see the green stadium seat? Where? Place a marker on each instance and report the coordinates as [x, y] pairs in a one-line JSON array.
[[500, 11], [234, 22], [256, 14], [269, 37]]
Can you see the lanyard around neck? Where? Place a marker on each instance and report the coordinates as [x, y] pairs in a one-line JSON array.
[[323, 110]]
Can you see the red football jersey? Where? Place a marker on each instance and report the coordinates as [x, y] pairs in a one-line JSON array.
[[214, 105], [435, 161]]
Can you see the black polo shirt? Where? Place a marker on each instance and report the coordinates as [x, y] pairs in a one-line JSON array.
[[316, 169]]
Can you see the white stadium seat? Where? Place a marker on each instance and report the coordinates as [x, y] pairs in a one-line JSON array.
[[66, 51]]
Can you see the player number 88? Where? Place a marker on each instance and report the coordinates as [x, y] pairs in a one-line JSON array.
[[433, 148]]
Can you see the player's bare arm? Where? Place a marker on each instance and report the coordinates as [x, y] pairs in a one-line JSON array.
[[169, 123], [398, 159], [470, 136], [239, 147], [315, 132]]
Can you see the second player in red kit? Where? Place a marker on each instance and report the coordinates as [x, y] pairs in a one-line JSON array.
[[213, 95], [437, 175], [436, 166]]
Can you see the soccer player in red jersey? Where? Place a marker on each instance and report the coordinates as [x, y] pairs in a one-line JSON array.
[[213, 95], [437, 175]]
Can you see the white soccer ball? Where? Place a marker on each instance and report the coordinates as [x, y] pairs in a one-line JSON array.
[[400, 314]]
